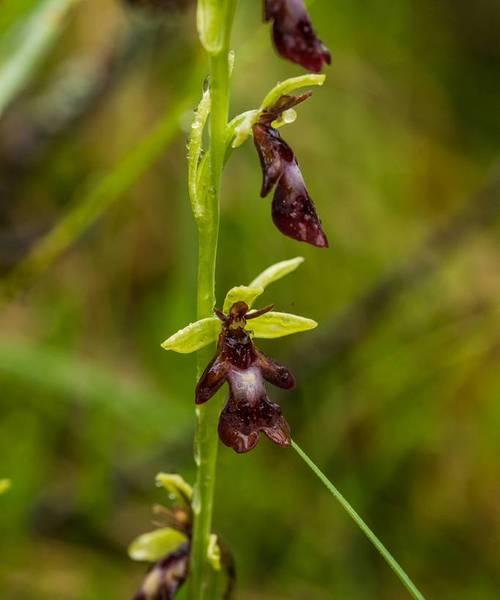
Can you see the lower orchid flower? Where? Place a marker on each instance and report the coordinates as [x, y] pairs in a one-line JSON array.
[[169, 548], [248, 411]]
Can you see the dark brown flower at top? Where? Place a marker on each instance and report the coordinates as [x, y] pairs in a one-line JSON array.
[[293, 210], [248, 411], [294, 36]]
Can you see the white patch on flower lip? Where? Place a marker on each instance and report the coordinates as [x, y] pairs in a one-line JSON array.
[[152, 582], [246, 385]]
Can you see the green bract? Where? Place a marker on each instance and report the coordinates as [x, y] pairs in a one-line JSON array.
[[156, 544], [208, 17], [179, 490], [270, 325], [213, 552]]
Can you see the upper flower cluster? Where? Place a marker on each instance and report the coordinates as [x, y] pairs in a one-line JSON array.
[[294, 35]]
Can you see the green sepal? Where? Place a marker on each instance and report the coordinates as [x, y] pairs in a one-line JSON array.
[[178, 489], [193, 337], [284, 88], [4, 485], [276, 271], [242, 293], [277, 324], [156, 544]]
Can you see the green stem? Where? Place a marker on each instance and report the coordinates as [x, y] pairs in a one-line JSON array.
[[391, 561], [206, 441]]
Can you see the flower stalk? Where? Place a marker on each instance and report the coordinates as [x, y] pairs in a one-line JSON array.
[[219, 17]]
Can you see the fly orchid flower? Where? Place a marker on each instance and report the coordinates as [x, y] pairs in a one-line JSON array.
[[248, 411], [293, 210], [168, 548], [294, 36]]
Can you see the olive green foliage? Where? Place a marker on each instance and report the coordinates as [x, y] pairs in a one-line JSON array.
[[398, 402]]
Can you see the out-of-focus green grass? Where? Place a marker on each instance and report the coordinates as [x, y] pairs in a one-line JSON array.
[[402, 135]]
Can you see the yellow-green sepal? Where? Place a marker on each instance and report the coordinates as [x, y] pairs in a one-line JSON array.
[[193, 337], [242, 293], [154, 545], [278, 324], [276, 271]]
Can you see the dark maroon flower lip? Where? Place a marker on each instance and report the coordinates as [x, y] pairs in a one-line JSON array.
[[248, 412], [293, 210], [294, 36]]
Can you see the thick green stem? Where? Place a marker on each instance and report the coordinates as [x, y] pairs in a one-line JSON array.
[[206, 441]]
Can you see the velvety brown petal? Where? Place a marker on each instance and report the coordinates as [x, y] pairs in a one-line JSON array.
[[277, 374], [165, 577], [294, 213], [274, 153], [213, 377], [294, 35]]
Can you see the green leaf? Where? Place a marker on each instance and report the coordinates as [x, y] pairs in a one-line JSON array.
[[242, 293], [178, 489], [156, 544], [276, 324], [276, 271], [193, 337], [4, 485]]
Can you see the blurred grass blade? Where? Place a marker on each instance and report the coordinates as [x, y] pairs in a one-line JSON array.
[[100, 198], [139, 403], [391, 561], [24, 48]]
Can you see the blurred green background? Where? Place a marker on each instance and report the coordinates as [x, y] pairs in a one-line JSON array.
[[398, 389]]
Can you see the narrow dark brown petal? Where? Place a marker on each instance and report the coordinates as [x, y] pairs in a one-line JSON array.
[[274, 153], [277, 374], [294, 36], [166, 577], [293, 210], [213, 377]]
